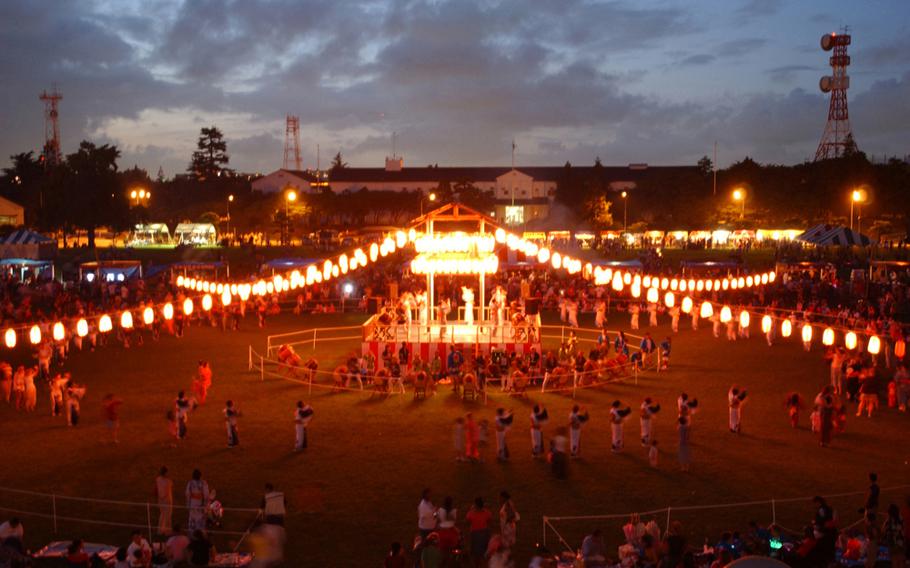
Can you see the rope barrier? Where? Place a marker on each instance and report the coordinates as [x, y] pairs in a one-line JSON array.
[[97, 522], [721, 505], [112, 501]]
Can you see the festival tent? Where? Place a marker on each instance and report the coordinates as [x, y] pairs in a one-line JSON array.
[[831, 235], [23, 243], [110, 270], [21, 268], [195, 234]]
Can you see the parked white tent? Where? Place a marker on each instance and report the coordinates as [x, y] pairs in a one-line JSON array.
[[833, 235]]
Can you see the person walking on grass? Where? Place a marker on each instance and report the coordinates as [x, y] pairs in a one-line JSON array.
[[508, 520], [230, 421], [302, 416], [164, 494], [110, 406], [685, 456], [478, 519]]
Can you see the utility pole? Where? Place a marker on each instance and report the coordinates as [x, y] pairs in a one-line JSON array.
[[714, 163]]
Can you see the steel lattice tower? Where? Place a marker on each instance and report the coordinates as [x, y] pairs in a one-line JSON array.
[[51, 150], [837, 130], [292, 144]]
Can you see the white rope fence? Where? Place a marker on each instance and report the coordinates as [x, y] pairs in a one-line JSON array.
[[772, 503]]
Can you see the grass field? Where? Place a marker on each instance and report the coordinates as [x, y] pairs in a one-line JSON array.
[[356, 488]]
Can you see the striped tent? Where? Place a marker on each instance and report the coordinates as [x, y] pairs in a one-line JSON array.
[[833, 235], [25, 237]]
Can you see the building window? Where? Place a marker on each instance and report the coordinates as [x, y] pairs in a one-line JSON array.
[[515, 214]]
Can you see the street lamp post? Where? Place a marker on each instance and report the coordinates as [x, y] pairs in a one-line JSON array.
[[857, 198], [625, 211], [431, 197], [739, 194], [289, 197], [228, 227]]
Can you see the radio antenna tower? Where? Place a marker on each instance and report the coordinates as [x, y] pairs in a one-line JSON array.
[[51, 150], [837, 131], [292, 144]]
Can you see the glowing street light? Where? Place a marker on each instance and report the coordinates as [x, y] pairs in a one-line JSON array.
[[625, 210], [290, 196], [857, 197], [739, 194], [431, 198], [140, 196], [230, 199]]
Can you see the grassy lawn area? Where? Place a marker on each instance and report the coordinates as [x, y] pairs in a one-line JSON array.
[[356, 488]]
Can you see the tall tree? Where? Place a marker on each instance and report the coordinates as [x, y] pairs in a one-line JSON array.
[[705, 166], [210, 157], [94, 195], [338, 163]]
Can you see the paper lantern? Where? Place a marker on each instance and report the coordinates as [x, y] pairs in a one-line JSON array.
[[226, 298], [500, 235], [664, 283], [10, 338], [875, 345], [669, 299], [635, 290], [617, 281], [726, 314], [674, 284], [105, 324], [412, 235], [699, 286], [707, 310], [401, 239], [81, 328], [219, 288], [168, 311], [744, 319], [807, 333], [786, 328], [766, 324], [148, 316], [652, 295], [543, 255], [374, 252], [34, 335], [683, 286], [126, 320], [850, 340], [749, 281], [686, 306], [709, 285], [828, 337], [772, 276], [646, 282], [627, 278], [207, 302], [342, 264], [900, 348], [188, 306], [59, 333], [180, 280]]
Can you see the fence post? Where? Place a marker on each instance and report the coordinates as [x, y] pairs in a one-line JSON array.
[[314, 339], [250, 359], [574, 383], [54, 505], [261, 368], [773, 511], [148, 517], [668, 520], [544, 531]]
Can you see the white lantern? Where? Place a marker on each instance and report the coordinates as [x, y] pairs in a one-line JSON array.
[[875, 345], [766, 324], [850, 340], [828, 337], [707, 310], [686, 305], [726, 314], [786, 328]]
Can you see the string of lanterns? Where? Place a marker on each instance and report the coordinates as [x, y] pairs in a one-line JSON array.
[[807, 331]]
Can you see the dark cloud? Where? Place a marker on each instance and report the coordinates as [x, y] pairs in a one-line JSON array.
[[788, 73], [457, 79], [698, 59]]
